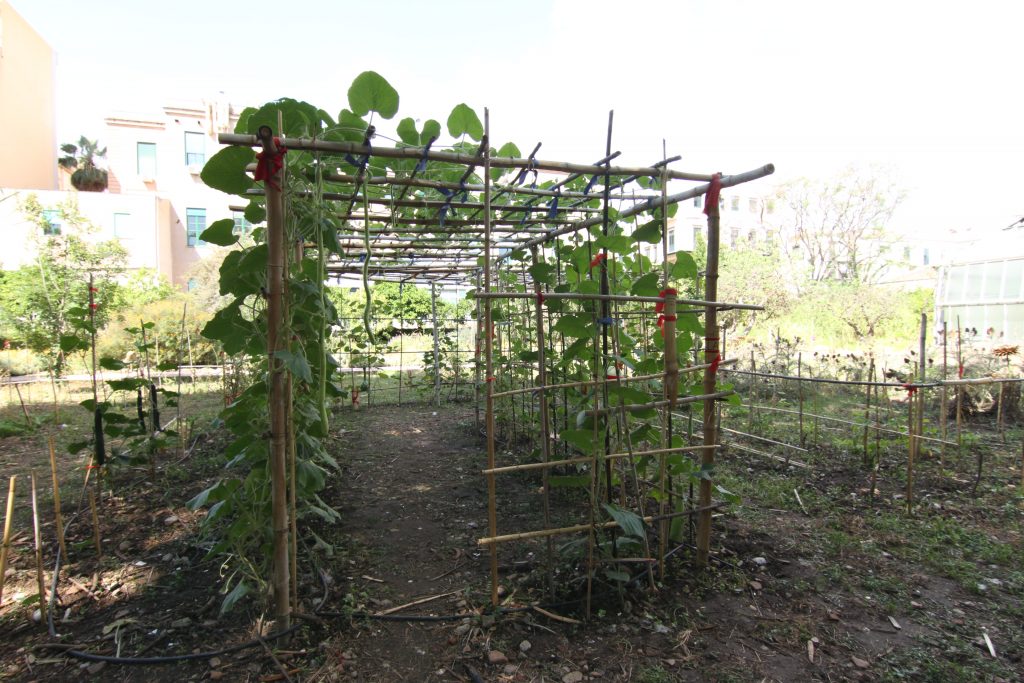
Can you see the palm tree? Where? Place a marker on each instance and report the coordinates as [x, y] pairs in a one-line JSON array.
[[81, 159]]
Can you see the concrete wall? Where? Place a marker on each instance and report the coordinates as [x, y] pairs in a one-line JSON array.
[[27, 110]]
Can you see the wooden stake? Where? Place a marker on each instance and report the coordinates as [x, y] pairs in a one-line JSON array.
[[943, 398], [40, 577], [710, 355], [57, 514], [545, 434], [492, 514], [95, 525], [911, 448], [278, 399], [9, 519], [800, 392], [867, 410]]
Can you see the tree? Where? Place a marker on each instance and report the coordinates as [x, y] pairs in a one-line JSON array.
[[750, 273], [836, 228], [43, 301], [81, 159]]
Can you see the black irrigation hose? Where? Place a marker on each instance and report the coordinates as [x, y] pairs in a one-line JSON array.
[[170, 659]]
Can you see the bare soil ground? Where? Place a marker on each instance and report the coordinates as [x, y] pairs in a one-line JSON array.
[[834, 588]]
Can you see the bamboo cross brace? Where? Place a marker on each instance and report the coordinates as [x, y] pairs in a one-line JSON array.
[[577, 528], [587, 458]]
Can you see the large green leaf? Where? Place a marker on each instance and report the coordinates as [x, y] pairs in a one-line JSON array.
[[648, 232], [646, 285], [582, 439], [220, 233], [631, 523], [542, 272], [370, 92], [684, 267], [296, 364], [464, 121], [225, 170], [575, 326]]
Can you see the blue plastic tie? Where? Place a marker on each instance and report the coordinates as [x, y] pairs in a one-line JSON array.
[[421, 166], [608, 321], [591, 183], [553, 206]]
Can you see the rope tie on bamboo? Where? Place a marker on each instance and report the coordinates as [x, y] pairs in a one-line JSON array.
[[531, 167], [961, 371], [490, 379], [553, 205], [608, 321], [421, 165], [910, 389], [713, 193], [268, 165], [600, 258], [662, 319], [540, 298], [660, 308], [717, 360]]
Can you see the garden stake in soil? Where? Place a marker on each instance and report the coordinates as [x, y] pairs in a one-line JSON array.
[[58, 516], [8, 520], [37, 536]]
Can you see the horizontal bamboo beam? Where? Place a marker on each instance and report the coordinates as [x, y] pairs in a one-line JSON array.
[[594, 382], [458, 222], [576, 528], [848, 382], [870, 425], [788, 461], [589, 458], [417, 153], [633, 407], [655, 202], [614, 297], [429, 203]]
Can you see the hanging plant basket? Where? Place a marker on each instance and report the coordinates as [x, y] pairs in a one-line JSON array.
[[89, 179]]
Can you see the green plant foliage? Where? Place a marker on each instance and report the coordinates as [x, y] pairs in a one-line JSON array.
[[464, 121], [225, 170], [370, 92]]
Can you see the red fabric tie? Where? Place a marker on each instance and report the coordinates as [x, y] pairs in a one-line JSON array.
[[961, 371], [661, 322], [540, 298], [267, 166], [597, 260], [911, 389], [660, 306], [713, 192], [715, 363]]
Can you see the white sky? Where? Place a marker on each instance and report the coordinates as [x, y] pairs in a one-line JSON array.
[[933, 90]]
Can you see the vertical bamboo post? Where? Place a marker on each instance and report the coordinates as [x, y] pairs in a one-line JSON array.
[[437, 346], [492, 514], [476, 356], [959, 392], [9, 519], [94, 513], [278, 399], [711, 356], [867, 408], [943, 398], [999, 413], [545, 438], [58, 516], [911, 447], [40, 578], [800, 392], [750, 397], [922, 376]]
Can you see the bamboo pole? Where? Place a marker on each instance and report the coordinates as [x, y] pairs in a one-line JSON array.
[[800, 392], [492, 515], [586, 458], [911, 450], [867, 409], [437, 346], [922, 377], [417, 153], [573, 296], [959, 393], [37, 536], [58, 516], [576, 528], [545, 435], [944, 399], [278, 399], [707, 460], [94, 513], [8, 520], [591, 382]]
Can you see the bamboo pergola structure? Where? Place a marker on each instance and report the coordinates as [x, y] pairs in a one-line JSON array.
[[438, 217]]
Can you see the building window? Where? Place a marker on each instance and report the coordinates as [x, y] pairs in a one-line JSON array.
[[735, 203], [906, 253], [752, 206], [734, 236], [192, 284], [195, 149], [53, 222], [195, 223], [671, 240], [771, 206], [145, 159], [698, 201], [242, 226], [122, 225], [698, 231]]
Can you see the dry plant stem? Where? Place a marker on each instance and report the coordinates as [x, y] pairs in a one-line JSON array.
[[710, 353], [95, 525], [37, 536], [58, 516], [5, 549], [278, 399], [492, 514]]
